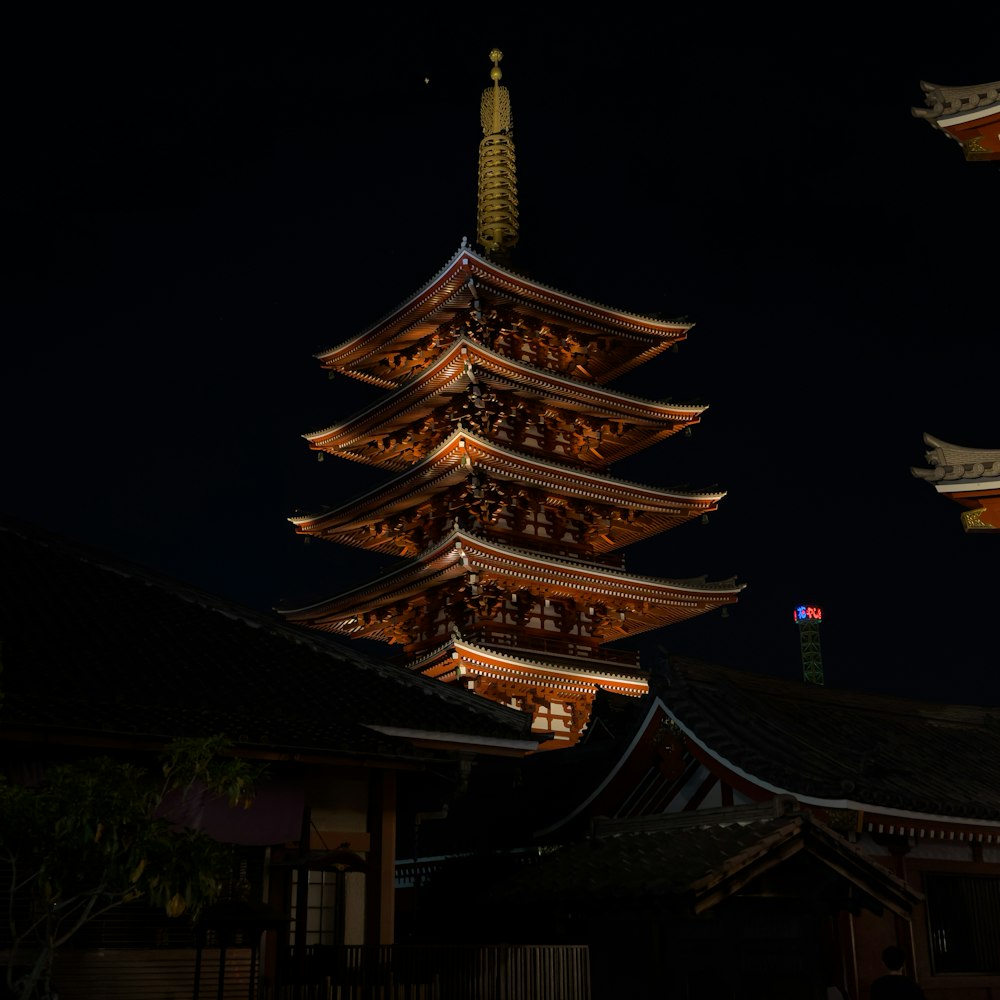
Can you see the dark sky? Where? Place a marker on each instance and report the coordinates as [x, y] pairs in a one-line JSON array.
[[189, 217]]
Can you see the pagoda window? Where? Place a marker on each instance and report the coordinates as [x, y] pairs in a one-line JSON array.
[[553, 716], [550, 620]]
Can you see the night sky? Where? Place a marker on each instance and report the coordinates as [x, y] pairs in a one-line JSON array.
[[188, 218]]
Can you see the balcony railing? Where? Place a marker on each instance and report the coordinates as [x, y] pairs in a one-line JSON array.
[[527, 645]]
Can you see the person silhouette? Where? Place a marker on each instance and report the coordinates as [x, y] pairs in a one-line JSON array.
[[895, 984]]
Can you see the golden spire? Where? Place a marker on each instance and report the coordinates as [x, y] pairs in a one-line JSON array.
[[497, 211]]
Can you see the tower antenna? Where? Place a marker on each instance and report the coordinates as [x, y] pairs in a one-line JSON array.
[[808, 617]]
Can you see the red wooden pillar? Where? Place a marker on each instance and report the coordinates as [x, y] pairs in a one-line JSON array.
[[380, 882]]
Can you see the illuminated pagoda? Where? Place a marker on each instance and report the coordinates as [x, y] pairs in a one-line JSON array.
[[969, 115], [498, 431]]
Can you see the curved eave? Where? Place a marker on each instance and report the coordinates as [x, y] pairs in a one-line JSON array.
[[959, 466], [574, 672], [664, 601], [905, 818], [357, 353], [451, 372], [617, 774], [944, 104], [459, 741], [451, 462]]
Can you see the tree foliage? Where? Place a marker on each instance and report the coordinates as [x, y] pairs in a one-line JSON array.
[[91, 837]]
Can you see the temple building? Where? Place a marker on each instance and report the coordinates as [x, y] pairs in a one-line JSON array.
[[969, 476], [497, 430], [970, 115]]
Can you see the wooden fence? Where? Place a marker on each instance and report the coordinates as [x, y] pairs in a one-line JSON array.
[[391, 972], [153, 974], [401, 972]]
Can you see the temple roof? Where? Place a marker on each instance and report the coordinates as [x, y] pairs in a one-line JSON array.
[[460, 552], [465, 363], [452, 461], [837, 748], [546, 669], [947, 102], [955, 466], [969, 115], [693, 861], [892, 762], [465, 279], [97, 651]]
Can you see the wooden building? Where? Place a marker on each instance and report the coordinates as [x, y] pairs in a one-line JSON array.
[[499, 427], [736, 835], [101, 657]]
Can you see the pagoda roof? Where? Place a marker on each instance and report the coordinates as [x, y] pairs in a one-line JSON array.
[[664, 601], [464, 363], [582, 673], [449, 464], [465, 276], [955, 467]]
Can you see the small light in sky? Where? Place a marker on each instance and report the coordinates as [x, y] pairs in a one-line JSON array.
[[427, 79]]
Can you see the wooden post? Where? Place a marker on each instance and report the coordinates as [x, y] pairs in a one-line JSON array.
[[380, 882]]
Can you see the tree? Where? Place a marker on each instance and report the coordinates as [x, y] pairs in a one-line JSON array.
[[93, 836]]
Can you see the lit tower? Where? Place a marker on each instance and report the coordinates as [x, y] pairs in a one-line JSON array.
[[808, 618], [497, 429]]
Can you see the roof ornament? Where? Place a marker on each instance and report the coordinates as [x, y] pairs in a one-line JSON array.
[[497, 208]]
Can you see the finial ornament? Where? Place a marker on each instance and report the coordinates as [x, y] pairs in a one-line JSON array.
[[497, 214]]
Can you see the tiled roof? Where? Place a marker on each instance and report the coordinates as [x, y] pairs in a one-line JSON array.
[[695, 859], [952, 463], [830, 748], [455, 272], [820, 743], [96, 649], [945, 101]]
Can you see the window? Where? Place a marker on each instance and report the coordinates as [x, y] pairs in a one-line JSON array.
[[334, 909], [321, 908], [964, 922]]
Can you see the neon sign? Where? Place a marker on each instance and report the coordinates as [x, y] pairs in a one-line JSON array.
[[805, 612]]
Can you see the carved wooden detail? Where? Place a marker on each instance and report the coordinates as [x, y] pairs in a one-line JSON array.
[[526, 424], [501, 509], [497, 612], [563, 711], [520, 337]]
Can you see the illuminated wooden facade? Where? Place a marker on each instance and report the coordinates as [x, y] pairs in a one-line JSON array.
[[499, 428], [969, 115]]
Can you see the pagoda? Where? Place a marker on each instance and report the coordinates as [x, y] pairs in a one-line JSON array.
[[496, 430]]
